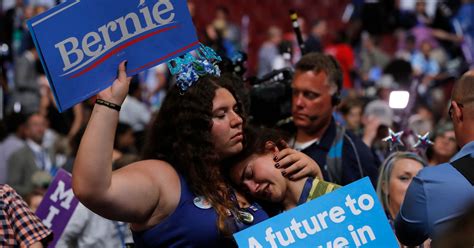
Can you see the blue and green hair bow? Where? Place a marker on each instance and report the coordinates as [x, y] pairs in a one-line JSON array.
[[189, 68]]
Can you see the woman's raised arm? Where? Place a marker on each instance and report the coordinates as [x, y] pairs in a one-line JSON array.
[[130, 194]]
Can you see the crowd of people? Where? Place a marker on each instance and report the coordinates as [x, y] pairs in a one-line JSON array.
[[188, 169]]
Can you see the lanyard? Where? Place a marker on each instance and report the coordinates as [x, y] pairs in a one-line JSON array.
[[243, 218], [306, 189], [121, 233]]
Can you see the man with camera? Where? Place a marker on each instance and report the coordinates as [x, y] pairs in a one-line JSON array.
[[342, 156]]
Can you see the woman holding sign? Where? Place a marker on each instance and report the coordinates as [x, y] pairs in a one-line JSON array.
[[256, 171], [177, 196]]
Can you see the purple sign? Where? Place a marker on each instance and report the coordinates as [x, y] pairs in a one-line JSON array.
[[58, 205]]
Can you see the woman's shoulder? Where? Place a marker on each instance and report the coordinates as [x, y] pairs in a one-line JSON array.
[[157, 172], [151, 165], [161, 177]]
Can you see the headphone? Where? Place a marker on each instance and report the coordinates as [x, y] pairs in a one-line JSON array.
[[336, 97]]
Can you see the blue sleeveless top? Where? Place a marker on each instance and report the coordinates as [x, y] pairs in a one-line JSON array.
[[192, 224]]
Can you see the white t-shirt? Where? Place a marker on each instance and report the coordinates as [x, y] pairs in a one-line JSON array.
[[302, 145]]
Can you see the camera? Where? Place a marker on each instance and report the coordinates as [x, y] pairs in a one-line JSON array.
[[270, 98]]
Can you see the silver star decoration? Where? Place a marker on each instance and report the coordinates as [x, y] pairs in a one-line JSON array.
[[423, 141], [394, 139]]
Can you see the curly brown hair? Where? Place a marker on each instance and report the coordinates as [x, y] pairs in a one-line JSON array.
[[181, 135]]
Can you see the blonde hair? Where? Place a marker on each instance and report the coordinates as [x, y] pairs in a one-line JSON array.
[[386, 171]]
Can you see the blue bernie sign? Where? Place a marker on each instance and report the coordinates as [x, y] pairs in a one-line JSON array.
[[351, 216], [82, 42]]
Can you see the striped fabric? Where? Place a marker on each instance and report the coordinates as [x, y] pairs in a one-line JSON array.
[[320, 188], [19, 226]]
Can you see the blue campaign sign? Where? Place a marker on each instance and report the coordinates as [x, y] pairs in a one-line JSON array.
[[82, 42], [351, 216]]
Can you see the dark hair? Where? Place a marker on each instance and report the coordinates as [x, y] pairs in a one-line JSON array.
[[285, 47], [350, 103], [319, 62], [223, 9], [134, 85], [28, 43], [15, 120], [181, 135], [125, 160], [255, 143], [33, 193], [122, 128]]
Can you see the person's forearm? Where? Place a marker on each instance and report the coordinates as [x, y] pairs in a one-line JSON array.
[[92, 169]]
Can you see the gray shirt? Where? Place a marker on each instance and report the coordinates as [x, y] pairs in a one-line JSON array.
[[86, 229], [11, 144]]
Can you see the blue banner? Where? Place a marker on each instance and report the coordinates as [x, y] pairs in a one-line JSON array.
[[82, 42], [351, 216]]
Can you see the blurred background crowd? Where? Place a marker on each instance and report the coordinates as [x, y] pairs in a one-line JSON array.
[[383, 47]]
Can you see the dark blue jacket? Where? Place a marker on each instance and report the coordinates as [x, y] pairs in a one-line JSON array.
[[350, 168]]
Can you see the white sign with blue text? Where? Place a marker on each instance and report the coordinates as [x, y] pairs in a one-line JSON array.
[[82, 42], [351, 216]]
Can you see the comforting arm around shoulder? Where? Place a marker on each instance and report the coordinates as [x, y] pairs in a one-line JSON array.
[[411, 224]]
